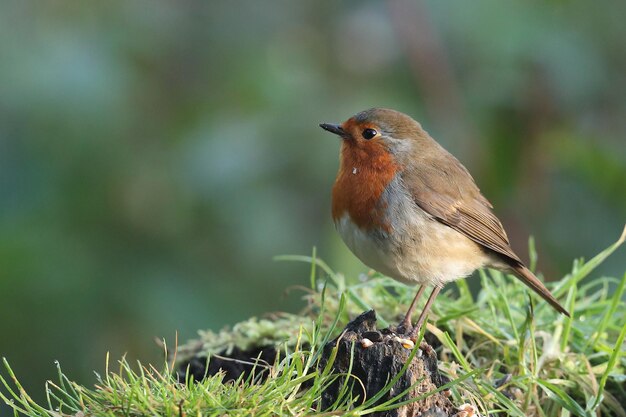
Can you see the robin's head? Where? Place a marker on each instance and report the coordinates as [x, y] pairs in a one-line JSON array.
[[378, 130]]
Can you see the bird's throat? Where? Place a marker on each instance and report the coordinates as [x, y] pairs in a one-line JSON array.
[[364, 174]]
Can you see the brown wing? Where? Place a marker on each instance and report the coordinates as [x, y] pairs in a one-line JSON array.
[[445, 189]]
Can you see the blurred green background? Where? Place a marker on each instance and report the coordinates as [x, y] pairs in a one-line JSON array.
[[155, 155]]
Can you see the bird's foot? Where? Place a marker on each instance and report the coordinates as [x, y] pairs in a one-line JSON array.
[[404, 328], [414, 333]]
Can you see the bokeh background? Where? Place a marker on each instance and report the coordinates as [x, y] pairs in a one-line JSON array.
[[155, 155]]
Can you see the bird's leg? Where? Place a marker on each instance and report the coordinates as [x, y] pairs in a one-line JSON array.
[[405, 324], [422, 317]]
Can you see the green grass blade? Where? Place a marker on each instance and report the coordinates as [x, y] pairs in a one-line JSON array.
[[562, 398], [336, 280], [617, 351], [610, 314], [447, 341], [504, 402], [585, 269]]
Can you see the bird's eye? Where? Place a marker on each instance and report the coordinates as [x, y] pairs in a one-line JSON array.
[[369, 133]]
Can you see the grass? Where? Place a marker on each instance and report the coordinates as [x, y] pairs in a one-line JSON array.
[[547, 364]]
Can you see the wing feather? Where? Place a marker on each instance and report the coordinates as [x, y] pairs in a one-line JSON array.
[[445, 189]]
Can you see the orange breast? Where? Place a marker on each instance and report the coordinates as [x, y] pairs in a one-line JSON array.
[[364, 173]]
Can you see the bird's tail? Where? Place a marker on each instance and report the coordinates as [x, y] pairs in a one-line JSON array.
[[533, 282]]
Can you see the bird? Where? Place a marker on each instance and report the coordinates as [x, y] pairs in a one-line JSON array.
[[410, 210]]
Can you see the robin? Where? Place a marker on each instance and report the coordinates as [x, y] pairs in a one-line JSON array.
[[410, 210]]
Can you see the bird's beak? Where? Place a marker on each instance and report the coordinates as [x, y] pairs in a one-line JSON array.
[[336, 129]]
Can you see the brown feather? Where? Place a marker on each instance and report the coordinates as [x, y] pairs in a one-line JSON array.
[[443, 187], [533, 282]]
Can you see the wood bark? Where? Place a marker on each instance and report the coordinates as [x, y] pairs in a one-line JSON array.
[[374, 357]]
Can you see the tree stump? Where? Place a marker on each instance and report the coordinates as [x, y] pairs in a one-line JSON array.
[[379, 356]]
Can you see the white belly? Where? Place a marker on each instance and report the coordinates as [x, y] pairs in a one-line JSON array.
[[418, 249]]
